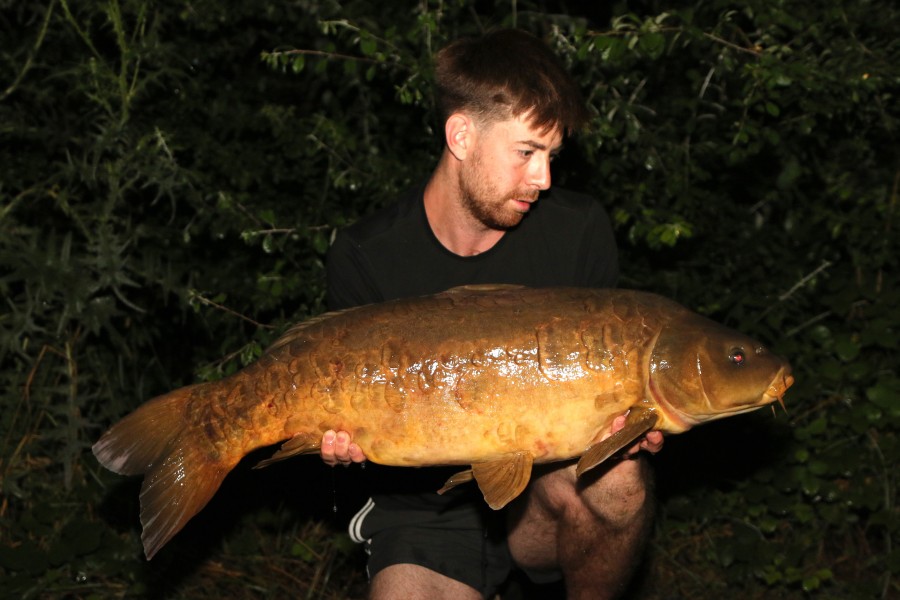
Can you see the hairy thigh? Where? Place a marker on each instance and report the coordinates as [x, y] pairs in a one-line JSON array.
[[557, 504], [414, 582]]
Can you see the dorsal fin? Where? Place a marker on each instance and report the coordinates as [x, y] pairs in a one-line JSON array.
[[483, 287], [295, 332]]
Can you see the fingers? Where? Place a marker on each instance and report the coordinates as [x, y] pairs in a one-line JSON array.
[[618, 423], [652, 442], [327, 448], [355, 453], [337, 449]]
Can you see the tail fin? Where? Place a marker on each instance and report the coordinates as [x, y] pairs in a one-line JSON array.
[[179, 478]]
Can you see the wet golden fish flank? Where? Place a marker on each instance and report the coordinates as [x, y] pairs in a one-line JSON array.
[[496, 378]]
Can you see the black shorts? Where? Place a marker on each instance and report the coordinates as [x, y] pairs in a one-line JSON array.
[[464, 540]]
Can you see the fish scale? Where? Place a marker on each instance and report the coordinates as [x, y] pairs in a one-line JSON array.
[[496, 378]]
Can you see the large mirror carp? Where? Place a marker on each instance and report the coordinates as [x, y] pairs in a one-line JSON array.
[[495, 378]]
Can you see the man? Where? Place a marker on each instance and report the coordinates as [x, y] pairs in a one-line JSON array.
[[506, 103]]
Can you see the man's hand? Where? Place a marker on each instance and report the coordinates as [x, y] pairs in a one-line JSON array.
[[652, 442], [337, 449]]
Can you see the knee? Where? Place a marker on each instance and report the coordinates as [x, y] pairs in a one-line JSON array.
[[620, 498]]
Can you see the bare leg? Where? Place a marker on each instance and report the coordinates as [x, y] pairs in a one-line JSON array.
[[594, 533], [414, 582]]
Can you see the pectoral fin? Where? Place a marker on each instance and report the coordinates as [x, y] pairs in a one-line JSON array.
[[500, 480], [638, 422], [302, 443]]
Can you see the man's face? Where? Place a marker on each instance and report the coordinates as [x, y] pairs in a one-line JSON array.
[[508, 166]]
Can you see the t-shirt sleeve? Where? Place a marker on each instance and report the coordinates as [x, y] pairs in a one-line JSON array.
[[349, 280]]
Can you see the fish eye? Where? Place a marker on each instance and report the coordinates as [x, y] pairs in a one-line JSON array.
[[737, 356]]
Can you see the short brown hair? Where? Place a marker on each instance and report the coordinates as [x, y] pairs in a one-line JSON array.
[[505, 74]]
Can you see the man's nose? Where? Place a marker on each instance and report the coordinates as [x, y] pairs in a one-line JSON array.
[[539, 175]]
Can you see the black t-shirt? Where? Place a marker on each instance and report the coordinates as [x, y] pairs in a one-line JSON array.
[[564, 240]]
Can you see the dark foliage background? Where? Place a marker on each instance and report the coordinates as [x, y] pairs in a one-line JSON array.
[[171, 174]]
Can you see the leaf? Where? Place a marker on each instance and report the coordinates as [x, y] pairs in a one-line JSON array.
[[368, 45], [652, 44], [267, 216], [790, 172], [885, 394], [847, 348], [611, 49]]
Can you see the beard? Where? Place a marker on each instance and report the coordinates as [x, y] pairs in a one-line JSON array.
[[485, 202]]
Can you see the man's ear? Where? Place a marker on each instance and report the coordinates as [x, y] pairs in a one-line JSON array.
[[459, 131]]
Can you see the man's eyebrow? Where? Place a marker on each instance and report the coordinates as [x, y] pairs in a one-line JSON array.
[[540, 146]]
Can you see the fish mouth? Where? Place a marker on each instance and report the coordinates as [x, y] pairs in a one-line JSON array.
[[684, 421], [775, 392]]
